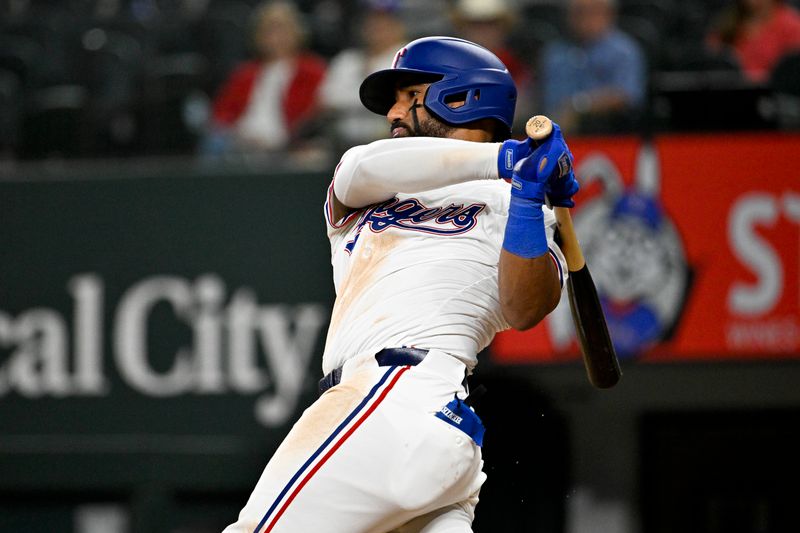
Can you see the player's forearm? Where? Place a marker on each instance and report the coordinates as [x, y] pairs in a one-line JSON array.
[[529, 289], [375, 172]]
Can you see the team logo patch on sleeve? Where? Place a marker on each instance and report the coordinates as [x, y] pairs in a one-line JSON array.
[[564, 165]]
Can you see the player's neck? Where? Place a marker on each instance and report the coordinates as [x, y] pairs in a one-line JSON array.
[[472, 134]]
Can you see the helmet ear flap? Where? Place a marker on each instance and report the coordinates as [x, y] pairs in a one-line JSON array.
[[475, 95], [472, 97], [458, 99]]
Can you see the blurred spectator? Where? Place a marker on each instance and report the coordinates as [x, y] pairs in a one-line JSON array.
[[382, 34], [490, 23], [759, 32], [266, 102], [596, 80]]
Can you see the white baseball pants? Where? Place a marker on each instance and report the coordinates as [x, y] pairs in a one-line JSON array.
[[371, 456]]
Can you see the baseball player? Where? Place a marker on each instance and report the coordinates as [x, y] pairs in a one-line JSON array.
[[433, 252]]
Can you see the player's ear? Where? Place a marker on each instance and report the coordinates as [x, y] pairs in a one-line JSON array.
[[454, 101]]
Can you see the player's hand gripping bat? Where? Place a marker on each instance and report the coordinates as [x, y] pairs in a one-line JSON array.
[[598, 352]]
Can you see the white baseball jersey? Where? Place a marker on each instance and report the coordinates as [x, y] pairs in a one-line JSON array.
[[395, 448], [421, 270]]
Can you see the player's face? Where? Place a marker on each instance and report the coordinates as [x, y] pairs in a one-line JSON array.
[[409, 118]]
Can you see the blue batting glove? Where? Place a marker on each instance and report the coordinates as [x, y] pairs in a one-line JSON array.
[[527, 183], [554, 164], [553, 155], [512, 152], [561, 190]]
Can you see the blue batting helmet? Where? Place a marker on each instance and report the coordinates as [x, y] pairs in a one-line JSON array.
[[458, 70]]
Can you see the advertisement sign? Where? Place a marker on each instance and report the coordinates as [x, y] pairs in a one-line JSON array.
[[694, 244], [158, 316]]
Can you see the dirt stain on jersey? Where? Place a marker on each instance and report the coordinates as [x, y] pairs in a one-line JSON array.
[[369, 257], [323, 416]]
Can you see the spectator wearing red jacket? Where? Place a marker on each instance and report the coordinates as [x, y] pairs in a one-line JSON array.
[[759, 32], [265, 103]]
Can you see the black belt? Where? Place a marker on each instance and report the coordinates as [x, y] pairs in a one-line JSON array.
[[386, 357]]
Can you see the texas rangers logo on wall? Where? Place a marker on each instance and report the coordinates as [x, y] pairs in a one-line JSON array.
[[693, 261], [635, 253]]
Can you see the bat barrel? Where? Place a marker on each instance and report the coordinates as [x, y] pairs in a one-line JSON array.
[[599, 356]]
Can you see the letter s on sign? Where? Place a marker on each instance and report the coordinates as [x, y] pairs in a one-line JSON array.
[[750, 211]]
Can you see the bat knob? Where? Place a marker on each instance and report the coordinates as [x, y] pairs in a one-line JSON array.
[[538, 127]]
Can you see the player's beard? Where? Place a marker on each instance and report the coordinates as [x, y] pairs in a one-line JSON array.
[[431, 127], [427, 127]]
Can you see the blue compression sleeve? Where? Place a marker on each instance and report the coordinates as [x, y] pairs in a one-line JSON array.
[[525, 235]]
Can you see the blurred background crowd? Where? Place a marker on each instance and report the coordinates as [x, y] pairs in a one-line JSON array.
[[226, 78]]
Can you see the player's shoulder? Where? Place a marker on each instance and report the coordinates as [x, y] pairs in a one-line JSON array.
[[494, 194], [359, 151], [495, 190]]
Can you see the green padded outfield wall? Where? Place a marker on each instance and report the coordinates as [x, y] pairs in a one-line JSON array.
[[156, 331]]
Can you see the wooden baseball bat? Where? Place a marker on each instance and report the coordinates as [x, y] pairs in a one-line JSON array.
[[599, 356]]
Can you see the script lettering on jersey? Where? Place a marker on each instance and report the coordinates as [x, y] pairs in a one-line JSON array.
[[413, 215]]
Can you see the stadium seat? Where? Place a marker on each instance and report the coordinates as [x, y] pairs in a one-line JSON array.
[[174, 103], [222, 36], [785, 83], [550, 11], [532, 37], [785, 77], [646, 33], [660, 13], [110, 67], [20, 55], [55, 125], [11, 105], [695, 57]]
